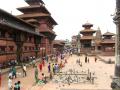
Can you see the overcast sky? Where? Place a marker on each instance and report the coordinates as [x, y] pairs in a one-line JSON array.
[[71, 14]]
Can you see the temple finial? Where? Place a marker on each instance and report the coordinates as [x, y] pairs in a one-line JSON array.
[[98, 28]]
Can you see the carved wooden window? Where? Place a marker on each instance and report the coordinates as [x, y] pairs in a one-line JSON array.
[[30, 39], [33, 48], [30, 48], [2, 49], [2, 34], [11, 48], [11, 35], [25, 48]]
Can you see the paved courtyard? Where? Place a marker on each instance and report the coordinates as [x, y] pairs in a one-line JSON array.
[[103, 72]]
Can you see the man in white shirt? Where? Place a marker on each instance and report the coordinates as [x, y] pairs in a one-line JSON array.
[[9, 83], [24, 71]]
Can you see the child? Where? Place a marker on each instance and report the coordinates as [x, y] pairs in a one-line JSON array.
[[43, 78], [17, 86]]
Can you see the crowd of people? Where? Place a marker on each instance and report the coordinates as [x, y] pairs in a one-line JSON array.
[[54, 65], [13, 75]]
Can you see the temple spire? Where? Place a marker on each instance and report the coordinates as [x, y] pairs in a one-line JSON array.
[[34, 2]]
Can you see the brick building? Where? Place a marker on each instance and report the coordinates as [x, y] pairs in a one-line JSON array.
[[37, 14], [58, 46], [26, 36], [18, 39], [74, 42]]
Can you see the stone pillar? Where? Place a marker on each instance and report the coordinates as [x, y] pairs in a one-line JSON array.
[[116, 80]]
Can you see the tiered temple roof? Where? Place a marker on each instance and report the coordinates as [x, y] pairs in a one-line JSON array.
[[87, 25], [34, 2], [87, 29], [35, 12], [108, 34], [34, 8], [87, 32], [109, 40], [38, 16]]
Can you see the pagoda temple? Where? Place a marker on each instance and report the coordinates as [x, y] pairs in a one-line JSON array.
[[108, 44], [37, 14], [87, 38]]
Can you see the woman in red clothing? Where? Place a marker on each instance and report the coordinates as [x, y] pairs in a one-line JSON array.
[[40, 67]]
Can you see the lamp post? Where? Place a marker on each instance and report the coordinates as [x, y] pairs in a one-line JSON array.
[[78, 44], [115, 85]]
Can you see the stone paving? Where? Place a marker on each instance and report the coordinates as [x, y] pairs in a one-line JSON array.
[[103, 72]]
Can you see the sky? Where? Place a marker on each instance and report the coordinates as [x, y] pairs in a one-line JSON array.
[[71, 14]]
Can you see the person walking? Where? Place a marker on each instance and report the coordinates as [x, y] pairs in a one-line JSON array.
[[17, 86], [85, 59], [88, 60], [79, 61], [36, 75], [95, 59], [65, 60], [56, 68], [14, 72], [49, 68], [61, 65], [51, 75], [53, 68], [40, 66], [56, 59], [10, 83], [46, 58], [43, 78], [24, 71], [71, 53], [43, 62]]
